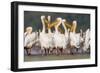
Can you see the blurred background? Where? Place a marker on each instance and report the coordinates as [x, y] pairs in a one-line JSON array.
[[33, 18]]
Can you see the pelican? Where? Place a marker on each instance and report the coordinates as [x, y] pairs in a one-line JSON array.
[[87, 40], [76, 39], [59, 39], [44, 37], [50, 36], [30, 39], [66, 34]]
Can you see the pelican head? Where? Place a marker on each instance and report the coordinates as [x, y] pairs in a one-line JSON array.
[[64, 20], [29, 29], [81, 32], [42, 17], [59, 20], [75, 22], [49, 17]]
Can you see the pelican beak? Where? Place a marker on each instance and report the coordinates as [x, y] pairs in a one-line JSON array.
[[74, 26]]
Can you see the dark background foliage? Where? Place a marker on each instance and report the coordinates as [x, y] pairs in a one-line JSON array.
[[32, 18]]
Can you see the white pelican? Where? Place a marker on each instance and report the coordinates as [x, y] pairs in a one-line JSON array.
[[50, 36], [66, 34], [59, 39], [43, 38], [76, 39], [29, 39], [87, 40]]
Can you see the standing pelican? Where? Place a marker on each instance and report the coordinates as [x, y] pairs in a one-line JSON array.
[[75, 38], [44, 37], [50, 36], [29, 39], [59, 39], [87, 40], [66, 34]]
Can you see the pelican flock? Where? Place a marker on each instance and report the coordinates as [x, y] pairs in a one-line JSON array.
[[54, 40]]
